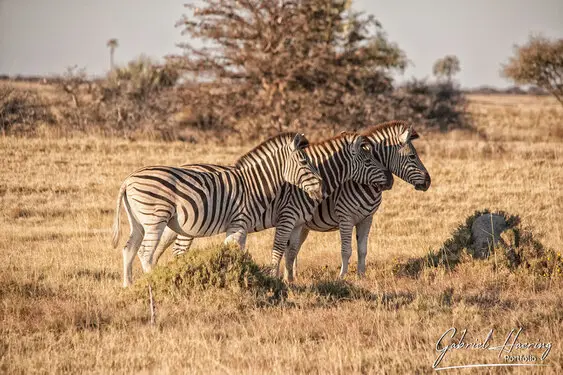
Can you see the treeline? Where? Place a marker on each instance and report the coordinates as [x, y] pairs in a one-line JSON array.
[[512, 90], [250, 68]]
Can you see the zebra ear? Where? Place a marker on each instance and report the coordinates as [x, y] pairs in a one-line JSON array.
[[405, 136], [408, 135], [299, 142], [359, 143]]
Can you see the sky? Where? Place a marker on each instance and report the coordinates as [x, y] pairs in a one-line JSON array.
[[44, 37]]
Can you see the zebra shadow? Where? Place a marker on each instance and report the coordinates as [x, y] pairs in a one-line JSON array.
[[330, 292], [95, 275]]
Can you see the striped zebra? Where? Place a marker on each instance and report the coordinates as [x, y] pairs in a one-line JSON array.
[[340, 159], [353, 205], [198, 203], [350, 205]]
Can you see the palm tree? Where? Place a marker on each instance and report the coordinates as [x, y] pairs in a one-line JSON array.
[[112, 45]]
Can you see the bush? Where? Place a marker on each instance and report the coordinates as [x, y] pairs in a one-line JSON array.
[[518, 249], [141, 78], [22, 110], [440, 106], [137, 97], [211, 268]]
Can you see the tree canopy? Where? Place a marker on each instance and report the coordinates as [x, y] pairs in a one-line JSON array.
[[446, 67], [538, 62], [271, 63]]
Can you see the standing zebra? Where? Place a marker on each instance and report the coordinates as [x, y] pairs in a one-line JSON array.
[[198, 203], [353, 204], [340, 159]]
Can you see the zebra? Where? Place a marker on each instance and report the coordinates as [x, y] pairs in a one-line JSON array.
[[198, 203], [346, 157], [353, 205]]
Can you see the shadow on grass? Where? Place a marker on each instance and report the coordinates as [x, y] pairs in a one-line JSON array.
[[96, 275], [339, 290], [330, 292], [25, 289]]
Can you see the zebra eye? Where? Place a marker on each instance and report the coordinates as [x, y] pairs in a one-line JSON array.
[[412, 157], [366, 147]]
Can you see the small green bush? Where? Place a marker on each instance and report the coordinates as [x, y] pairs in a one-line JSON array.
[[21, 110], [518, 249], [142, 77], [215, 267]]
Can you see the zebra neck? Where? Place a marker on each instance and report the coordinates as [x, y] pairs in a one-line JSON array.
[[333, 160], [261, 180]]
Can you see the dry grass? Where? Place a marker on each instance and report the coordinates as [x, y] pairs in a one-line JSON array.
[[63, 310]]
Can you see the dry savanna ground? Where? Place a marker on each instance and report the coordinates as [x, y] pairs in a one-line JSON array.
[[62, 308]]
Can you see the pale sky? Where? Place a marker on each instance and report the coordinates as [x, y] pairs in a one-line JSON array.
[[46, 36]]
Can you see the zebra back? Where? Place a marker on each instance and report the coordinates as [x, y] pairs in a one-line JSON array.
[[295, 168]]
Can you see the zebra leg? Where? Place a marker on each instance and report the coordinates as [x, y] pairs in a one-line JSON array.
[[236, 235], [133, 243], [167, 238], [129, 250], [304, 233], [149, 244], [362, 233], [182, 245], [295, 241], [346, 229], [284, 228], [291, 254]]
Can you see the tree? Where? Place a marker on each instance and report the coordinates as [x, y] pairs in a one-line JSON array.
[[447, 67], [112, 44], [272, 63], [540, 63]]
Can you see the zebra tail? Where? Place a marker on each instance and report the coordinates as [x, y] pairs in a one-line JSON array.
[[116, 227]]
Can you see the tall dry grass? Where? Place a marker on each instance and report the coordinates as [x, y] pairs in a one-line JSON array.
[[63, 310]]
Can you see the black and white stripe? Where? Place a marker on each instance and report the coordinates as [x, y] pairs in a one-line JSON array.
[[198, 203], [353, 205], [343, 158]]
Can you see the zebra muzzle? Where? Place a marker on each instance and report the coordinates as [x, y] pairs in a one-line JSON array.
[[315, 193]]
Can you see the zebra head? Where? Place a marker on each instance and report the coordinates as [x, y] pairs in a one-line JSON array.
[[392, 146], [299, 170], [366, 169], [408, 164]]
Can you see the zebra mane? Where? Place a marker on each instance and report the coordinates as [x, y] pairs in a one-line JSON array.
[[275, 142], [389, 131], [342, 135]]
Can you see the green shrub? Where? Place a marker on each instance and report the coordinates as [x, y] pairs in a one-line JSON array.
[[215, 267], [518, 249], [21, 110], [141, 78]]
